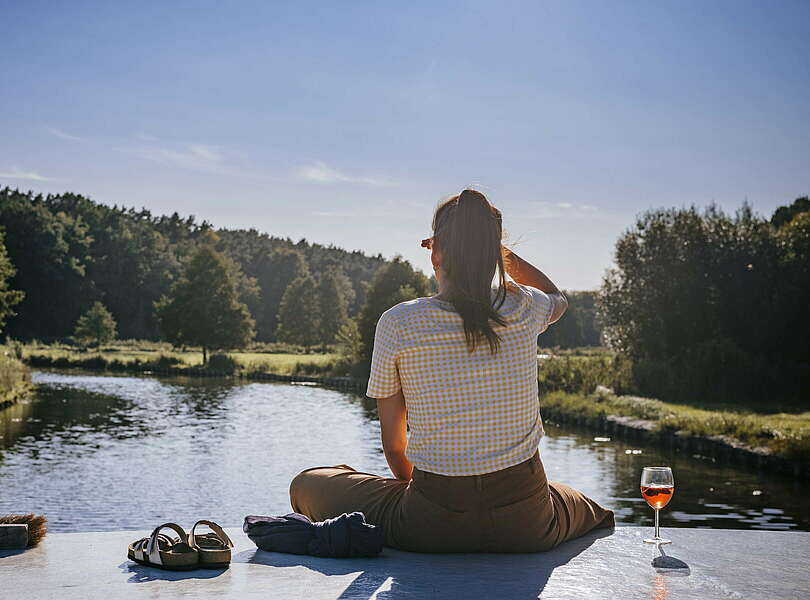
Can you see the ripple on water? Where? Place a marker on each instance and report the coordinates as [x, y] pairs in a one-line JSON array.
[[106, 453]]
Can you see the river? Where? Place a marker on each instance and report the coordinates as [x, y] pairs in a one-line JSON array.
[[100, 452]]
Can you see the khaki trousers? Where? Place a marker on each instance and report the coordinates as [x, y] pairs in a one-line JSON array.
[[513, 510]]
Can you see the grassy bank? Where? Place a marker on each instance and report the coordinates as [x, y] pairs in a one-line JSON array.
[[15, 378], [135, 355], [596, 383], [567, 380], [782, 434]]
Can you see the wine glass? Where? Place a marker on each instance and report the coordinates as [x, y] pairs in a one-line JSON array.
[[657, 488]]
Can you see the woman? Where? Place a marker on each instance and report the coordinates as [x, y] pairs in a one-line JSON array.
[[460, 370]]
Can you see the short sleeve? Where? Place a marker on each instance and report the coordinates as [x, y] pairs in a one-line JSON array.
[[542, 307], [384, 378]]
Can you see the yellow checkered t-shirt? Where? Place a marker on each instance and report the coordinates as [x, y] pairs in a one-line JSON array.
[[468, 412]]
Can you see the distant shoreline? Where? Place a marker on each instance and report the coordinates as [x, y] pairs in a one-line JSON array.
[[601, 412]]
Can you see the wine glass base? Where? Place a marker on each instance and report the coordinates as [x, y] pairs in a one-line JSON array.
[[657, 541]]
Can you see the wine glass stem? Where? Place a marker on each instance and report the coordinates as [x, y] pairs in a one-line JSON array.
[[656, 524]]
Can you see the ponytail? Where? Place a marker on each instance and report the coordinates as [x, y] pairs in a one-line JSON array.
[[467, 230]]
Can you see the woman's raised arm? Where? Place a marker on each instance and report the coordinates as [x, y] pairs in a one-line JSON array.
[[525, 273]]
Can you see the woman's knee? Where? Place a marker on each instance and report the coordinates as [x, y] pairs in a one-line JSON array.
[[301, 488], [306, 485]]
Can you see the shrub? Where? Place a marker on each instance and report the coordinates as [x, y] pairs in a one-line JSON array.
[[584, 373], [222, 363]]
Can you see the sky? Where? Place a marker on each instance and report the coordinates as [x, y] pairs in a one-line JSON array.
[[347, 122]]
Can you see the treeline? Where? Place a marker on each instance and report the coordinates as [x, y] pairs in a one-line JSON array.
[[93, 272], [579, 325], [714, 307], [70, 252]]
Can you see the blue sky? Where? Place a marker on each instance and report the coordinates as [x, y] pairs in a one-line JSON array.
[[346, 122]]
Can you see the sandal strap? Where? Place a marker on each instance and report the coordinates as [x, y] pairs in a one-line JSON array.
[[152, 548], [220, 533], [139, 546]]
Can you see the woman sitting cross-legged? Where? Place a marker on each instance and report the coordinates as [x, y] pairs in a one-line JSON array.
[[460, 370]]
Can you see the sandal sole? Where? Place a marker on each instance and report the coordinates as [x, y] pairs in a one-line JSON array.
[[146, 563], [214, 565]]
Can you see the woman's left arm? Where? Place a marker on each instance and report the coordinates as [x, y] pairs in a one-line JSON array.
[[393, 430]]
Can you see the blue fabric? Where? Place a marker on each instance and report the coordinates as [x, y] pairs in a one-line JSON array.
[[345, 536]]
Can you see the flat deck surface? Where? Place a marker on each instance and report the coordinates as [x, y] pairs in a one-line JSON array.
[[712, 564]]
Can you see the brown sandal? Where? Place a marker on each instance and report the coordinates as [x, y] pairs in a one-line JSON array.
[[164, 552], [214, 549]]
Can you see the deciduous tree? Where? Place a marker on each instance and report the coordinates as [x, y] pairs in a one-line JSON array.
[[203, 307]]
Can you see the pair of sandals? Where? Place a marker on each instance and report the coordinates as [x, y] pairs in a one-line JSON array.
[[186, 552]]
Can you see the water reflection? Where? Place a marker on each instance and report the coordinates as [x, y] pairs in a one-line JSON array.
[[706, 494], [105, 453]]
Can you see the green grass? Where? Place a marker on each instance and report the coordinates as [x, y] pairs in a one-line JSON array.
[[784, 434], [15, 377], [565, 380], [141, 355]]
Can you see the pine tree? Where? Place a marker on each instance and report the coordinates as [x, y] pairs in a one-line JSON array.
[[203, 307], [275, 271], [8, 297], [96, 326], [349, 345], [299, 314], [333, 307]]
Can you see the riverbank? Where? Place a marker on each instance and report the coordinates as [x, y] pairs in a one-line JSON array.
[[778, 441], [137, 356], [15, 379]]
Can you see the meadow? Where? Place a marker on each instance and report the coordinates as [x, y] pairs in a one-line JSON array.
[[142, 355], [15, 378]]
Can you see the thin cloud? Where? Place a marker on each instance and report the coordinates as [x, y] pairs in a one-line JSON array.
[[15, 173], [320, 172], [195, 156], [63, 135], [186, 155]]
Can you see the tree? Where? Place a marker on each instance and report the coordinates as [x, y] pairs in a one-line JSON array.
[[275, 271], [96, 326], [299, 314], [785, 214], [577, 327], [50, 253], [348, 341], [332, 307], [394, 282], [8, 297], [710, 306], [69, 251], [203, 307]]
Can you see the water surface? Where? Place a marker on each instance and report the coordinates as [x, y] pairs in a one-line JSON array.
[[99, 452]]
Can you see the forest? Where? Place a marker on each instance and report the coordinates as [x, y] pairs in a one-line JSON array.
[[698, 303], [713, 306], [74, 258]]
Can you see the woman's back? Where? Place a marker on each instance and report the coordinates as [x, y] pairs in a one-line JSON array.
[[469, 412], [461, 374]]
